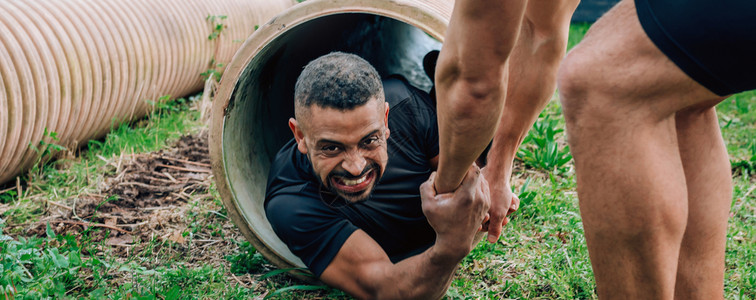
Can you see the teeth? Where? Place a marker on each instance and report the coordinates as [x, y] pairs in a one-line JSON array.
[[355, 181]]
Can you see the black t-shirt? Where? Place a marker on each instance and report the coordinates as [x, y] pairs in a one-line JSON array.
[[315, 224]]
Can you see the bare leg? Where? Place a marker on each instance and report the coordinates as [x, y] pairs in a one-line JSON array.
[[533, 66], [700, 271], [621, 96]]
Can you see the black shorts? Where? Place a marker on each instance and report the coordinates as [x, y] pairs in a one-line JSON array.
[[713, 41]]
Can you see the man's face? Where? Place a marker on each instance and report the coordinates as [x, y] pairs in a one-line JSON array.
[[347, 149]]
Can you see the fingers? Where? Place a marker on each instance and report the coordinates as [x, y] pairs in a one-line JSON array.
[[427, 189], [484, 224], [498, 220], [494, 228], [515, 205], [472, 178]]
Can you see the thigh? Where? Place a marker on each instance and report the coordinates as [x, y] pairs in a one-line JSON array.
[[619, 62]]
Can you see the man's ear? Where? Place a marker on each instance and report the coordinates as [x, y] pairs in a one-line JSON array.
[[385, 121], [298, 135]]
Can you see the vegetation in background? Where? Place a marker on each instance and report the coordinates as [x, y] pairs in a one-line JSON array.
[[544, 147], [214, 69], [541, 255]]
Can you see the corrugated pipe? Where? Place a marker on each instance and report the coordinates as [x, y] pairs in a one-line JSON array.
[[256, 95], [77, 68]]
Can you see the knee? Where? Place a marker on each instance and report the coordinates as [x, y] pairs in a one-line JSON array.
[[595, 87], [575, 80]]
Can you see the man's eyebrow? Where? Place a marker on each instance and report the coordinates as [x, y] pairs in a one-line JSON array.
[[327, 141], [369, 134]]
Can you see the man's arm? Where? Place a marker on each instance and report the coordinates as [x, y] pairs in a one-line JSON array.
[[471, 80], [362, 268]]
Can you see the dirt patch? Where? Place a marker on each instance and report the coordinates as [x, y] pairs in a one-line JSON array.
[[158, 202]]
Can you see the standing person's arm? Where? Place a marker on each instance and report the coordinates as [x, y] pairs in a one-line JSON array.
[[471, 80], [540, 48]]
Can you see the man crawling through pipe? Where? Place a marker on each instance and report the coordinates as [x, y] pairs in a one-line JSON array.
[[347, 194]]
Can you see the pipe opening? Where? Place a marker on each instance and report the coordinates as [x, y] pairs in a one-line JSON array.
[[262, 101]]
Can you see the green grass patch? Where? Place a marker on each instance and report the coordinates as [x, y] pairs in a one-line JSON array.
[[67, 177]]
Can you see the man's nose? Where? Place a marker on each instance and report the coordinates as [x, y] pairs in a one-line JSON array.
[[354, 163]]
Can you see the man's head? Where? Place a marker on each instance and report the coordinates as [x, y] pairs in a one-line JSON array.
[[341, 123]]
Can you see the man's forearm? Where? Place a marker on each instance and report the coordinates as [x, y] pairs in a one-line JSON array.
[[471, 82], [423, 276]]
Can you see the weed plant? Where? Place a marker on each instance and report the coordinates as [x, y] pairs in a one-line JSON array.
[[543, 148]]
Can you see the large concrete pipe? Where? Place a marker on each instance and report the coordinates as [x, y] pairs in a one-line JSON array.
[[79, 67], [256, 94]]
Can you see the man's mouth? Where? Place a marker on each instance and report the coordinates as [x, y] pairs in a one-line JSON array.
[[353, 185]]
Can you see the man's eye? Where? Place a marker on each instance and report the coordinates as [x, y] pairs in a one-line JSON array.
[[371, 141], [330, 149]]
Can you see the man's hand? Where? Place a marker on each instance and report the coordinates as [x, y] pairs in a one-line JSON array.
[[363, 269], [503, 204], [456, 217]]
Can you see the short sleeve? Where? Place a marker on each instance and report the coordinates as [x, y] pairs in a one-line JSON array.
[[311, 230], [412, 116], [428, 118]]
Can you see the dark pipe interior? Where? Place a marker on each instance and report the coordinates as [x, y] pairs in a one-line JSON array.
[[386, 43]]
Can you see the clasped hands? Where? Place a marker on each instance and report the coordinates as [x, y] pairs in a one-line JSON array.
[[474, 206]]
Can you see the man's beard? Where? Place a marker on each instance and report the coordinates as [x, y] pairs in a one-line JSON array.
[[357, 196]]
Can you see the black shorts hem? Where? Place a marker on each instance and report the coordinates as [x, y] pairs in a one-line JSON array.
[[677, 54]]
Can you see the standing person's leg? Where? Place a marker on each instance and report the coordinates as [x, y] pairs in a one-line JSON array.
[[620, 97], [533, 65], [700, 268]]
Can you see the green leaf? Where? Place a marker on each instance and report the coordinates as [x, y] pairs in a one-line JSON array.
[[296, 288], [74, 258], [59, 260], [279, 271], [97, 294], [173, 294], [50, 233]]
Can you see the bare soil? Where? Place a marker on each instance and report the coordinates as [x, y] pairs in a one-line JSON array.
[[157, 203]]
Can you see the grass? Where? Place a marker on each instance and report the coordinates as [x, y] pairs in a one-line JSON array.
[[541, 255]]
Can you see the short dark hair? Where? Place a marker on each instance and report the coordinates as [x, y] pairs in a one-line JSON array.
[[337, 80]]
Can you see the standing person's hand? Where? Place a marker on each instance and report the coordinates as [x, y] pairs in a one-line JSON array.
[[456, 217], [503, 204]]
